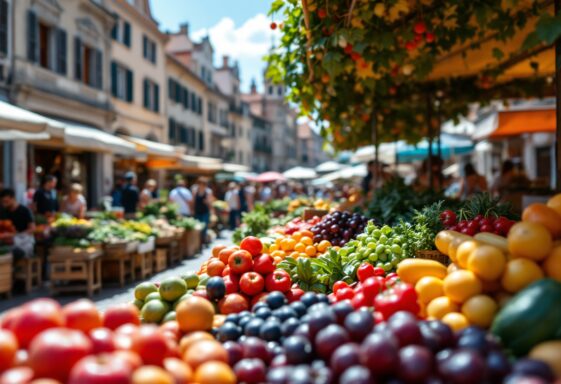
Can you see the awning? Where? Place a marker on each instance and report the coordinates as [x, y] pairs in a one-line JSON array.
[[12, 134], [513, 123], [16, 118], [95, 140], [229, 167], [329, 166], [300, 173], [153, 148]]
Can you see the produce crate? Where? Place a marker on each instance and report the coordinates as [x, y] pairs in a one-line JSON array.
[[79, 271], [132, 246], [433, 255], [29, 271], [310, 213], [143, 259], [117, 263], [147, 246], [160, 260], [6, 274], [192, 244]]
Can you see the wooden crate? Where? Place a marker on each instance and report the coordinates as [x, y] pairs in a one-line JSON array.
[[160, 260], [29, 271], [6, 261], [433, 255], [147, 246], [143, 264], [193, 242], [117, 263], [76, 272], [310, 213]]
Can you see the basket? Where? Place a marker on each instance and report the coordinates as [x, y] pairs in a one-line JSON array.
[[433, 255], [6, 273], [310, 213]]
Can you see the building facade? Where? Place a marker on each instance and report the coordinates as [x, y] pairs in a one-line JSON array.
[[310, 151]]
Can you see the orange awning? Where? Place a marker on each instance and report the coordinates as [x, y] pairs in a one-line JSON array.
[[512, 123]]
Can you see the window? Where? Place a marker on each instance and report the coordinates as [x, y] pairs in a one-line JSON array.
[[270, 89], [279, 91], [4, 27], [46, 45], [183, 135], [200, 106], [88, 64], [151, 96], [185, 98], [149, 49], [121, 82], [211, 112], [194, 107], [121, 31], [172, 134], [543, 161], [171, 89], [201, 141]]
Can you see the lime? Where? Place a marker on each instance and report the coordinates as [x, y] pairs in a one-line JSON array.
[[138, 303], [154, 311], [152, 296], [203, 279], [169, 317], [191, 279], [172, 288], [143, 289], [185, 296]]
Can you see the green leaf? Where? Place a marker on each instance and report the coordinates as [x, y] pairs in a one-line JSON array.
[[498, 54], [276, 6], [332, 62], [549, 28]]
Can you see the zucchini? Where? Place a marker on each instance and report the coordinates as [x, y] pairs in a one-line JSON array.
[[530, 317]]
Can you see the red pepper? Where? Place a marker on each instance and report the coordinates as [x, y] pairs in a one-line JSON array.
[[400, 297]]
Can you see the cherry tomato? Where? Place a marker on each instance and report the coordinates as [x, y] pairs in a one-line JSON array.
[[365, 271], [338, 285], [345, 294]]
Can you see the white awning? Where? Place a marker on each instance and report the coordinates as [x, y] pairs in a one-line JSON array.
[[229, 167], [96, 140], [16, 118], [201, 162], [300, 173], [12, 134], [329, 166], [153, 148]]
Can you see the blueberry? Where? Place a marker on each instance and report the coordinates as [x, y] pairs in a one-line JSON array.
[[258, 305], [289, 326], [253, 326], [299, 308], [275, 300], [284, 313], [232, 318], [322, 298], [244, 320], [228, 331], [263, 312], [298, 350], [270, 331], [309, 299]]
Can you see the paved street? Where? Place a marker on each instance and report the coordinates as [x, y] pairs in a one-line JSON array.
[[113, 294]]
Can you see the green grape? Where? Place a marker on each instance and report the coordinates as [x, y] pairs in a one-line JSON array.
[[383, 239], [344, 252], [386, 230], [371, 245], [380, 249], [383, 257], [395, 261], [396, 249], [373, 258], [376, 233], [388, 267], [380, 265]]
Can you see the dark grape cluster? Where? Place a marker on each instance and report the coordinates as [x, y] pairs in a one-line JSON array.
[[339, 227]]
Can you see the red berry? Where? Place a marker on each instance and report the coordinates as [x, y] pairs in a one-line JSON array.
[[418, 38], [420, 28], [429, 37], [273, 25], [338, 285], [348, 49], [345, 294], [355, 56], [393, 90], [410, 45], [322, 13]]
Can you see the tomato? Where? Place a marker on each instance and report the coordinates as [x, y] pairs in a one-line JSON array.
[[18, 375], [338, 285], [150, 344], [345, 294], [117, 315], [544, 215], [231, 283], [251, 283], [82, 315], [224, 254], [360, 300], [35, 317], [233, 303], [529, 240], [101, 369], [264, 264], [53, 353], [278, 281], [240, 262], [372, 286], [480, 310], [8, 349], [102, 340], [519, 273], [253, 245], [294, 294]]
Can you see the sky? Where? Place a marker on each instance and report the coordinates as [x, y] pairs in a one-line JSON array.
[[238, 28]]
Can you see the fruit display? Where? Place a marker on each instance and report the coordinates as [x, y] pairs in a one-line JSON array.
[[6, 226], [298, 244], [111, 232], [299, 225], [303, 202], [339, 227]]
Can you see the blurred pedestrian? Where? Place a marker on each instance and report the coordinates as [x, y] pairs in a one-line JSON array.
[[182, 197], [232, 197], [131, 195], [148, 193], [203, 199], [472, 183], [266, 193], [22, 220], [423, 181], [74, 203], [45, 200], [117, 193]]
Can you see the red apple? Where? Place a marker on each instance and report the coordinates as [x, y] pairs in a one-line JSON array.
[[106, 368], [253, 245], [294, 294], [35, 317], [258, 298], [278, 281], [251, 283], [264, 265], [82, 315], [17, 375], [233, 303], [121, 314], [102, 340], [150, 344], [231, 283], [240, 262], [53, 353]]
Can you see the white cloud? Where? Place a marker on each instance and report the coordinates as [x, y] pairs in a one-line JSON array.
[[247, 43]]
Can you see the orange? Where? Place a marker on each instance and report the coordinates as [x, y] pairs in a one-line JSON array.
[[542, 214], [224, 254], [461, 285], [278, 254], [464, 250], [303, 254], [429, 288], [529, 240], [217, 248], [150, 374], [288, 244], [307, 240], [297, 235], [480, 310], [452, 267], [453, 248], [441, 306], [456, 321], [311, 250], [215, 267], [180, 371], [487, 262], [294, 255], [552, 265], [555, 203], [519, 273], [444, 238], [191, 338], [273, 248], [277, 259], [300, 247], [195, 314], [307, 234], [205, 350], [214, 372], [278, 240], [323, 245]]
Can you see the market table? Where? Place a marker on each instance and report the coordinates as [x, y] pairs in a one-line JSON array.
[[70, 266]]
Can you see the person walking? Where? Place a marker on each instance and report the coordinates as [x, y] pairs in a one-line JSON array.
[[203, 199], [232, 197], [472, 183], [182, 197], [44, 200], [148, 193], [130, 196], [74, 203]]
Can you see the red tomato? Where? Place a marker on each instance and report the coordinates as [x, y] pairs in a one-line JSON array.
[[102, 340], [150, 344], [35, 317], [278, 281], [233, 303], [232, 285], [365, 271], [240, 262], [379, 271], [251, 283], [118, 315], [253, 245], [372, 286], [101, 369], [345, 294], [360, 300], [264, 265], [8, 349], [18, 375], [82, 315], [53, 353], [338, 285]]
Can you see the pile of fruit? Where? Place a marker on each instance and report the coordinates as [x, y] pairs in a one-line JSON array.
[[302, 202], [298, 225], [298, 244], [497, 225], [339, 227]]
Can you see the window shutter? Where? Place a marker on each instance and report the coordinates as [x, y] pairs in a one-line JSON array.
[[114, 79], [98, 69], [201, 142], [185, 98], [193, 102], [171, 90], [115, 29], [130, 83], [146, 94], [171, 130], [200, 106], [127, 34], [61, 50], [32, 37], [179, 96], [154, 52], [4, 26], [78, 57], [156, 98], [144, 46]]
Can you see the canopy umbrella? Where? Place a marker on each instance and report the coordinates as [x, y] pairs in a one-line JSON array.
[[225, 176], [269, 177], [329, 166], [450, 146], [356, 171], [386, 153], [249, 176], [300, 173]]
